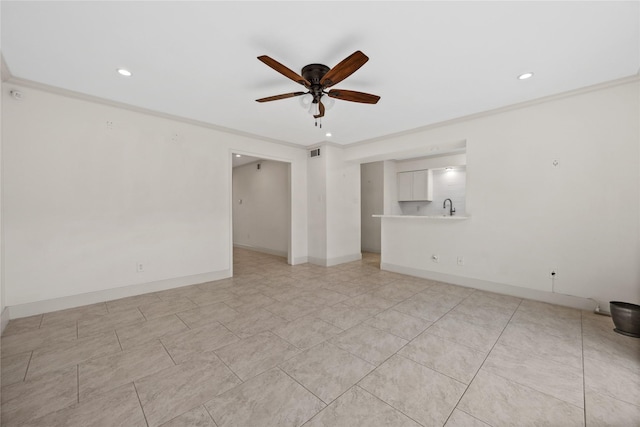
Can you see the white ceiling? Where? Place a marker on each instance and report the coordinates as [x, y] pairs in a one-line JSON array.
[[429, 61]]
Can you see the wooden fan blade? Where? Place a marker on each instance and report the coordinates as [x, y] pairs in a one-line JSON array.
[[344, 69], [353, 96], [321, 108], [284, 70], [283, 96]]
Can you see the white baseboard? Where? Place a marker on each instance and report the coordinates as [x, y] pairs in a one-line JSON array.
[[317, 261], [330, 262], [4, 319], [262, 250], [344, 259], [46, 306], [501, 288], [300, 260]]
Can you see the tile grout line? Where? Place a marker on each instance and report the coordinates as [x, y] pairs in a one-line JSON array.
[[24, 378], [454, 342], [472, 416], [389, 405], [433, 369], [167, 351], [225, 326], [78, 382], [302, 385], [209, 413], [484, 361], [538, 356], [534, 389], [330, 403], [302, 350], [183, 322], [396, 335], [140, 402], [115, 331], [227, 366], [376, 366]]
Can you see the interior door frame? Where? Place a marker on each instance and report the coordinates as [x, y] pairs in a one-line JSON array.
[[288, 162]]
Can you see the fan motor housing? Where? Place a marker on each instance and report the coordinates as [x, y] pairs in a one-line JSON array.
[[314, 72]]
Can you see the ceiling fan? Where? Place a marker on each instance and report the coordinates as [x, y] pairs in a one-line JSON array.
[[317, 78]]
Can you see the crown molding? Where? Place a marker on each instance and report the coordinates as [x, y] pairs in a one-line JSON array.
[[7, 77], [587, 89], [324, 144], [95, 99]]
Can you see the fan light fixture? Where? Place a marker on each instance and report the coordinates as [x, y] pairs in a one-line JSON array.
[[306, 100], [317, 79]]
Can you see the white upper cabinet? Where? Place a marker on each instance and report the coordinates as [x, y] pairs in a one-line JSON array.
[[415, 186]]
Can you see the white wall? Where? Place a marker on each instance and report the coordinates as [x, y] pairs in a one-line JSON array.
[[85, 201], [4, 318], [390, 196], [527, 215], [343, 207], [334, 208], [261, 220], [317, 179], [372, 202]]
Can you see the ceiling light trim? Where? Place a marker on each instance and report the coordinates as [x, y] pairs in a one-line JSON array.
[[124, 72]]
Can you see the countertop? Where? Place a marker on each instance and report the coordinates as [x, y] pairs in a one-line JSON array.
[[436, 217]]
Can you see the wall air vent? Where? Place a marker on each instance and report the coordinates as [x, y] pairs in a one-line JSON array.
[[314, 153]]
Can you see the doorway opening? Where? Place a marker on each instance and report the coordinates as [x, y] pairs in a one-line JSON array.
[[261, 206], [371, 203]]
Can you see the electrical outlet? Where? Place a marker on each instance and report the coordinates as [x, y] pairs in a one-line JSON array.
[[435, 258], [460, 260], [140, 267], [553, 273]]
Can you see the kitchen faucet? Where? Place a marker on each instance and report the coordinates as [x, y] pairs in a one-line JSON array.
[[452, 210]]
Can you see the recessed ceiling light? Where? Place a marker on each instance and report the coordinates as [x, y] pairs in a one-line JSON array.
[[525, 76], [327, 134], [238, 155], [124, 72]]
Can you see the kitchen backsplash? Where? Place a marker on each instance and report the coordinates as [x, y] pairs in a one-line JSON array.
[[446, 185]]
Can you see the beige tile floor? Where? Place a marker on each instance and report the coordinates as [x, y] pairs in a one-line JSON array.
[[343, 346]]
